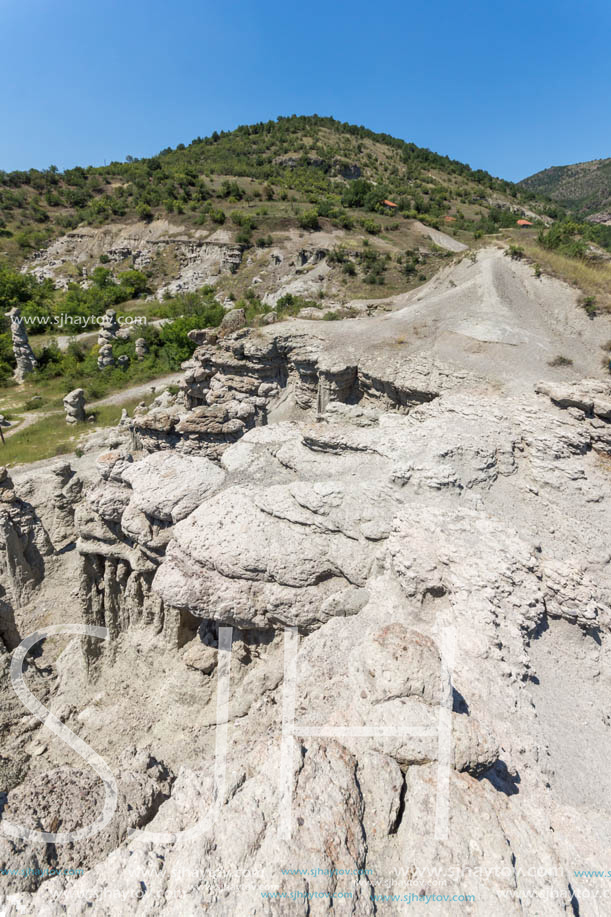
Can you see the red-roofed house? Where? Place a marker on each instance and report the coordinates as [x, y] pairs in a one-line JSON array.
[[390, 204], [524, 223]]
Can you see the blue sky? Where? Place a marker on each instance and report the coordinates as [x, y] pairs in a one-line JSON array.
[[509, 87]]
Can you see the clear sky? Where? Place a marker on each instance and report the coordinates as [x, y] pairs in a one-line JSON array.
[[512, 87]]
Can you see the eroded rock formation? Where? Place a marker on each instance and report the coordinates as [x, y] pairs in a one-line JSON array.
[[105, 356], [381, 583], [74, 406], [109, 328], [24, 355]]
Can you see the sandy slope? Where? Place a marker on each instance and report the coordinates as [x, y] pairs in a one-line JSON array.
[[493, 317]]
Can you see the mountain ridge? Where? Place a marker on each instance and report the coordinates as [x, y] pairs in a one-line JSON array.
[[582, 187]]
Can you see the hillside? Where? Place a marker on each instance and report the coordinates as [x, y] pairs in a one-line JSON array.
[[584, 188], [300, 216], [274, 171]]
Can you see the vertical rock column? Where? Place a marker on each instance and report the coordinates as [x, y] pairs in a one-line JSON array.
[[141, 349], [74, 406], [24, 355], [107, 334], [109, 328]]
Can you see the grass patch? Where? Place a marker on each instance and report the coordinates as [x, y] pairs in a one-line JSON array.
[[594, 280], [48, 437], [51, 436]]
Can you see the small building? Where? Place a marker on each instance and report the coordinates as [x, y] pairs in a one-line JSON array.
[[390, 205], [449, 219], [523, 223]]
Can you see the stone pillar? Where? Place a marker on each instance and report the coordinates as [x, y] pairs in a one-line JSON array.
[[105, 356], [109, 328], [24, 355], [141, 349], [74, 406]]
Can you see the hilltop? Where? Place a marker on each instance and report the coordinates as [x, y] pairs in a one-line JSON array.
[[292, 169], [584, 187]]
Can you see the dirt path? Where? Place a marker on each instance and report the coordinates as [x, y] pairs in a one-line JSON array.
[[143, 388]]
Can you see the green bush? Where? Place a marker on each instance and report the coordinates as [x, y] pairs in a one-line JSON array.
[[565, 237], [371, 227], [309, 220]]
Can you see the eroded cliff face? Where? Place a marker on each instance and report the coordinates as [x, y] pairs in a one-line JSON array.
[[359, 638], [231, 384]]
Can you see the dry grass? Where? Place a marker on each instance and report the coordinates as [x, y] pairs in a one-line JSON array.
[[592, 279]]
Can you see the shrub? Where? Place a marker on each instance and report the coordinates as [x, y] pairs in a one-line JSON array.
[[309, 220], [371, 226], [565, 236], [145, 212]]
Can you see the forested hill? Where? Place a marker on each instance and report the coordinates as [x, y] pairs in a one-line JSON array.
[[585, 187]]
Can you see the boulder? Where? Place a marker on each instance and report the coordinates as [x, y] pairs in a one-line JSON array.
[[233, 321]]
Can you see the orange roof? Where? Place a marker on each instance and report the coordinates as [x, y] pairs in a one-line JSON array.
[[389, 203], [524, 223], [450, 219]]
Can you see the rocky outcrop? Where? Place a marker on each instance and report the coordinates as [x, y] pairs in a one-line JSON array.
[[231, 385], [588, 400], [74, 406], [123, 529], [359, 554], [24, 544], [24, 355], [67, 799], [199, 258]]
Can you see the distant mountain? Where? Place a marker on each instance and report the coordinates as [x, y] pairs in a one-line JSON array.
[[584, 188]]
